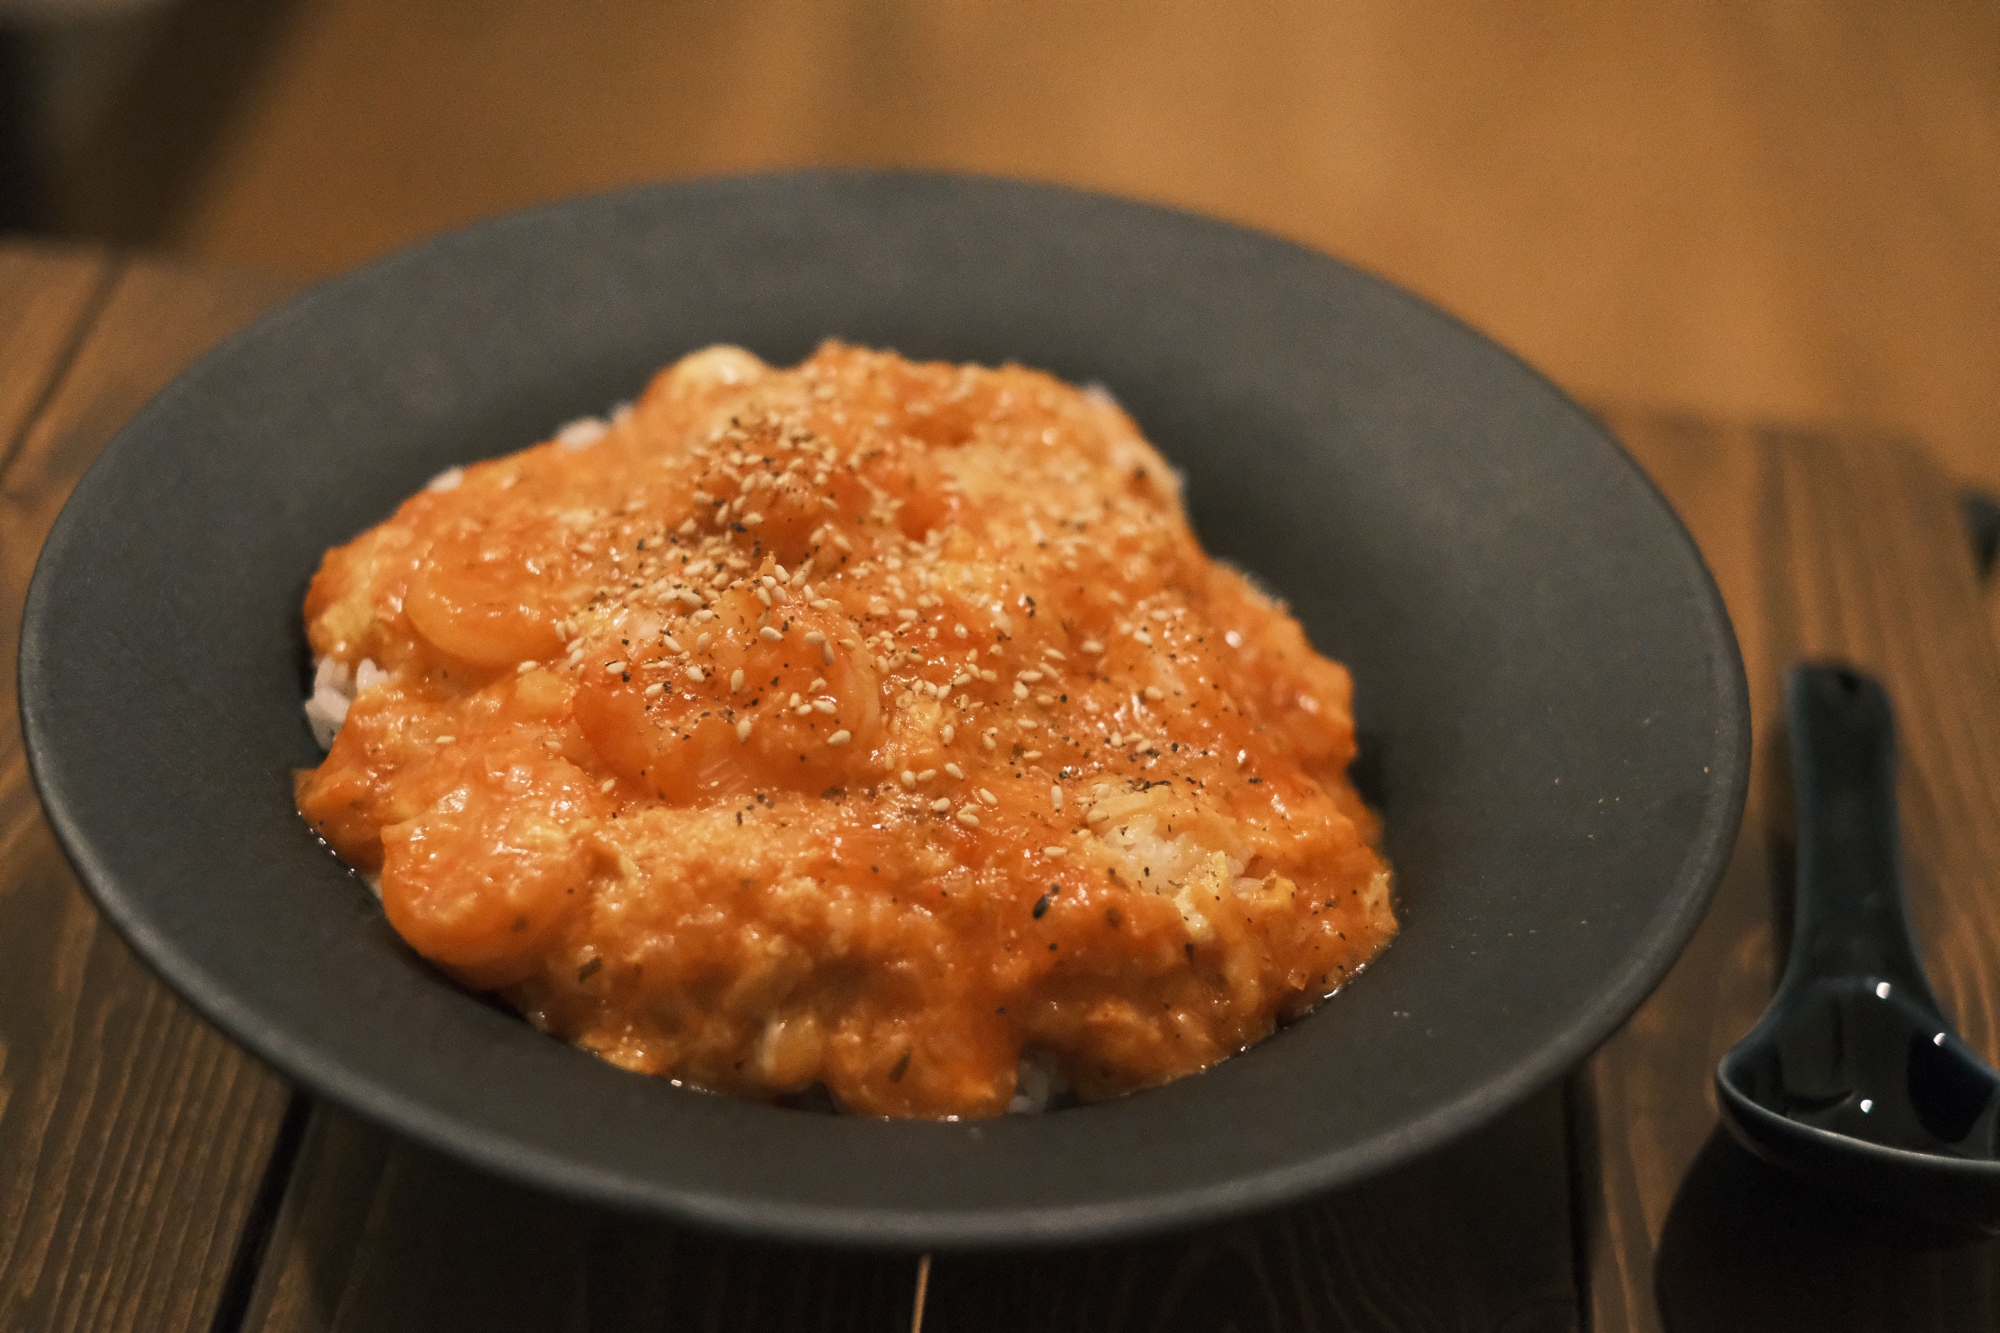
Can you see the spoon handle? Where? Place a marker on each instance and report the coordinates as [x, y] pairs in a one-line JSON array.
[[1848, 917]]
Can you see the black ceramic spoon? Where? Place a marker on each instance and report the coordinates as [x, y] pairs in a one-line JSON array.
[[1853, 1076]]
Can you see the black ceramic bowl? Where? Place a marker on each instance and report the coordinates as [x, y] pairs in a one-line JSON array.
[[1549, 693]]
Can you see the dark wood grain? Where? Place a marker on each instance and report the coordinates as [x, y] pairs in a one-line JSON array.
[[1477, 1236], [378, 1236], [133, 1137], [1824, 547]]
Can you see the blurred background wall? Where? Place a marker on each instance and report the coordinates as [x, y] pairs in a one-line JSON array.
[[1788, 211]]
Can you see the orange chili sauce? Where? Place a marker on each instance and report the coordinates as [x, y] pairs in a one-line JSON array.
[[865, 724]]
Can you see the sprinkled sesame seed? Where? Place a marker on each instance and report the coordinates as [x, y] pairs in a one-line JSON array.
[[736, 680], [840, 737], [909, 780], [988, 676], [764, 596], [1055, 851], [1091, 646], [969, 817], [1020, 690], [1029, 675], [814, 637], [654, 689], [988, 797], [673, 644], [770, 634], [1029, 724], [695, 674], [1155, 693], [826, 654], [826, 706], [613, 668], [689, 597], [1031, 755], [1055, 796], [941, 804], [1045, 699], [959, 630], [446, 740], [743, 730], [955, 771], [1096, 817], [701, 644], [927, 775], [751, 520], [826, 604], [948, 733], [607, 784]]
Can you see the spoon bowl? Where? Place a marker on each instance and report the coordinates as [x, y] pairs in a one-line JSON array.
[[1854, 1076]]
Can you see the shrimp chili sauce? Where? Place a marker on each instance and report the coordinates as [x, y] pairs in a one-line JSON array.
[[873, 725]]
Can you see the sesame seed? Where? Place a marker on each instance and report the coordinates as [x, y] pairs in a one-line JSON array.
[[1055, 796], [607, 784], [1029, 724], [1030, 675], [841, 737], [826, 604], [988, 676], [927, 775], [736, 680], [909, 780], [1055, 851], [941, 804], [905, 614], [826, 706], [955, 771], [1020, 690], [1096, 817], [1155, 693], [988, 797], [701, 644], [654, 689], [768, 581], [814, 637], [803, 710], [526, 667], [959, 630], [694, 674], [446, 740], [1031, 755], [969, 817], [987, 741], [826, 654], [793, 702], [751, 520], [1045, 699], [673, 644], [1091, 646], [764, 596], [689, 597], [743, 730], [770, 634], [613, 668], [948, 733]]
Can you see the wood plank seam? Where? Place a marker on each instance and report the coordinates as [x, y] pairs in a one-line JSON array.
[[79, 334], [253, 1243]]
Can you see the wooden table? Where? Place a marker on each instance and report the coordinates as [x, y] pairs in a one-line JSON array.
[[154, 1177]]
